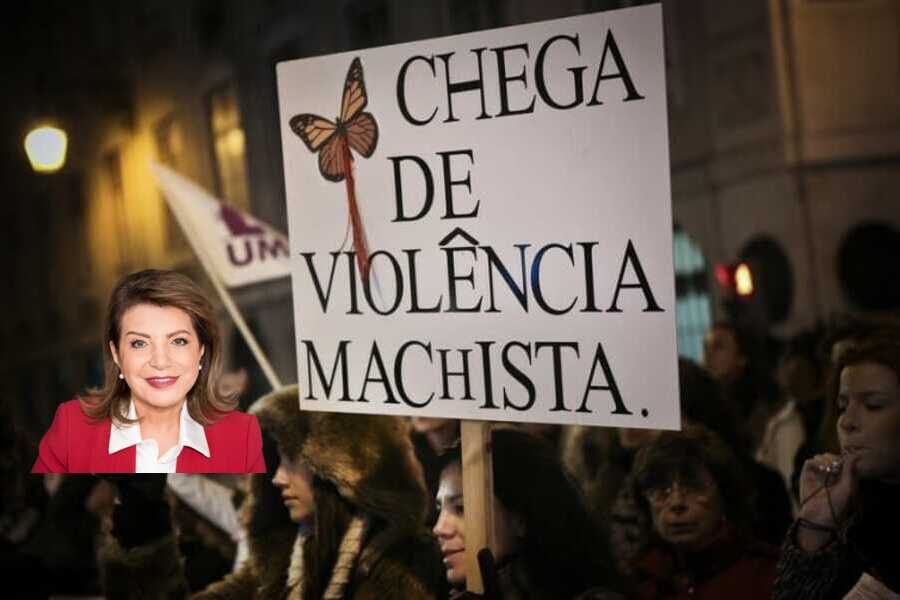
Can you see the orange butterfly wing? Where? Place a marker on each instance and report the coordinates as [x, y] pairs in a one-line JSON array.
[[362, 134], [331, 159], [354, 98], [312, 129], [362, 131]]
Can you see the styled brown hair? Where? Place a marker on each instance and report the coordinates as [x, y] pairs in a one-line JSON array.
[[205, 403], [880, 346]]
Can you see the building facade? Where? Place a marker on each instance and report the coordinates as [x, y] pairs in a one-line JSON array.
[[784, 129]]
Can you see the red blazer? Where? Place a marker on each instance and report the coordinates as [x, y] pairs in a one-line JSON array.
[[76, 444]]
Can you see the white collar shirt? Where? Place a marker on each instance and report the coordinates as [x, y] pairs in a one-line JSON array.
[[148, 460]]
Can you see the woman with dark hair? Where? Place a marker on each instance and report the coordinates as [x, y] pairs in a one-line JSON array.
[[546, 545], [844, 541], [160, 409], [691, 487], [341, 517]]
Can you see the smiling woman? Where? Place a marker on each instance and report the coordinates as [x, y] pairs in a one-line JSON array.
[[160, 409]]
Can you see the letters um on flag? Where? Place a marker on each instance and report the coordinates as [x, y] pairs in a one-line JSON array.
[[241, 249]]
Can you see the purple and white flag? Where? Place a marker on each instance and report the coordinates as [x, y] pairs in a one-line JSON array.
[[242, 249]]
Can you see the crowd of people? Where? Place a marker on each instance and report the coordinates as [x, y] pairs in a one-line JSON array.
[[782, 482]]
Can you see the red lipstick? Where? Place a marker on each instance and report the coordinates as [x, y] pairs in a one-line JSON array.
[[161, 382]]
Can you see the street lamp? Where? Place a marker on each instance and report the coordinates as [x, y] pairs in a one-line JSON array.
[[46, 148]]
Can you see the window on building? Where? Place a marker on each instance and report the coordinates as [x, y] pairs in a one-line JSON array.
[[228, 146], [112, 176], [693, 309], [169, 138]]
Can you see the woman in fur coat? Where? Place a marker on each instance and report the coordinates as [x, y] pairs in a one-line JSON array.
[[342, 518]]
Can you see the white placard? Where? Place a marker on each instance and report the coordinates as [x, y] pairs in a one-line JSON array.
[[516, 204]]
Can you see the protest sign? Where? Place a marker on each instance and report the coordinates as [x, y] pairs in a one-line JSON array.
[[481, 226]]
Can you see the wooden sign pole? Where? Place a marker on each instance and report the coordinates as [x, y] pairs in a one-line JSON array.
[[478, 495]]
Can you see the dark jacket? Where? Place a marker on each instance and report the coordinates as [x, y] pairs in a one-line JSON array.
[[866, 542], [732, 568], [369, 460]]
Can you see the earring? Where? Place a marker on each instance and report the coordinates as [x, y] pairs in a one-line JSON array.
[[200, 367], [121, 376]]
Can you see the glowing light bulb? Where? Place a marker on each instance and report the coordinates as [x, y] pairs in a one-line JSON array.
[[743, 280], [46, 149]]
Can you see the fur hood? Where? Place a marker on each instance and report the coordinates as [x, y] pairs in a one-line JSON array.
[[371, 462], [369, 458]]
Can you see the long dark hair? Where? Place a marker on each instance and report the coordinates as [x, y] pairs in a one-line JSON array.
[[562, 552], [320, 550]]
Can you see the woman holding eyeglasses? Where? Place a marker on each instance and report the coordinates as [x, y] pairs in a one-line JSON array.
[[844, 543], [689, 484]]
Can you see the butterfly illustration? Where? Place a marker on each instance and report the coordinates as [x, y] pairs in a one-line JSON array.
[[352, 129]]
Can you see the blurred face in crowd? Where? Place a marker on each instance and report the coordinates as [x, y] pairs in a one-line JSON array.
[[159, 355], [295, 480], [797, 377], [869, 423], [635, 439], [721, 355], [686, 511], [450, 528]]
